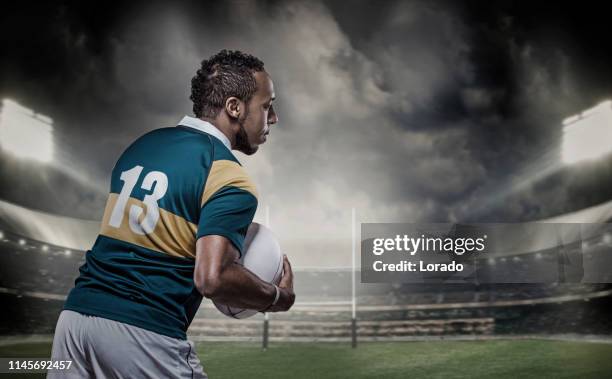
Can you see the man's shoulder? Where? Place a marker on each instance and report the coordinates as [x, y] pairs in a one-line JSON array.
[[224, 174], [175, 136], [170, 146], [191, 140]]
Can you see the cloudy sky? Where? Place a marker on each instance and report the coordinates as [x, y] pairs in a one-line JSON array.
[[406, 110]]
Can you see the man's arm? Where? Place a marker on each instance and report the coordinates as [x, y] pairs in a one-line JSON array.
[[219, 277]]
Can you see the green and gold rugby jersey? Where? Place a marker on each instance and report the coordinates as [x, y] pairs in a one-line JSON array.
[[169, 188]]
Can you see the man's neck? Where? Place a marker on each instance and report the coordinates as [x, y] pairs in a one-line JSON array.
[[223, 128]]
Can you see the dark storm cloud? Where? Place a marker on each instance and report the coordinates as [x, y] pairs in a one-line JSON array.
[[408, 111], [540, 64]]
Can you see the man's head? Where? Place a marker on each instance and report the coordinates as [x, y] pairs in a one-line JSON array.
[[233, 90]]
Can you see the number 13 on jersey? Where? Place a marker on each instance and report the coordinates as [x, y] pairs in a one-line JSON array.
[[140, 225]]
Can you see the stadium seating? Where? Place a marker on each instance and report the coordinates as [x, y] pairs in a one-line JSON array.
[[35, 277]]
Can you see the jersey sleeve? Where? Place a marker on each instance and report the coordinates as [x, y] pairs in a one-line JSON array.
[[228, 204]]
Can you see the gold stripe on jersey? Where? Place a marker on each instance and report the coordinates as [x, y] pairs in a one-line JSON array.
[[173, 235], [225, 173]]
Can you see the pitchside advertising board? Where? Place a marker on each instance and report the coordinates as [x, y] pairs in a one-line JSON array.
[[487, 253]]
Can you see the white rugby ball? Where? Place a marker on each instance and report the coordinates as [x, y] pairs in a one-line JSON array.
[[262, 256]]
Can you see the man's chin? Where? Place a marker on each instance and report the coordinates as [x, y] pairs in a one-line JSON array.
[[250, 150]]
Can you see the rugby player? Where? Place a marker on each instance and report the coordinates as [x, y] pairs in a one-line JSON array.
[[173, 231]]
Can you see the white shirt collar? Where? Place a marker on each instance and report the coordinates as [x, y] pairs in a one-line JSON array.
[[206, 127]]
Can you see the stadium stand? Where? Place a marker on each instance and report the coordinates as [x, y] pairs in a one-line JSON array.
[[35, 276]]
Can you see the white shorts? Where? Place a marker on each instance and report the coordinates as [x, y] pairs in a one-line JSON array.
[[103, 348]]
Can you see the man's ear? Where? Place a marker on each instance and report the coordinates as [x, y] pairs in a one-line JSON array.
[[233, 107]]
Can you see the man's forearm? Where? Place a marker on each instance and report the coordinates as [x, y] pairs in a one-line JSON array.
[[239, 287], [219, 277]]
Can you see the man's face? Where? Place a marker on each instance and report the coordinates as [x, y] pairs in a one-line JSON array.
[[259, 116]]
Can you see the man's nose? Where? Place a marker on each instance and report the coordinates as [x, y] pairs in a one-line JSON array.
[[272, 118]]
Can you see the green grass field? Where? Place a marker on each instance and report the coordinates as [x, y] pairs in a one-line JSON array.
[[438, 359]]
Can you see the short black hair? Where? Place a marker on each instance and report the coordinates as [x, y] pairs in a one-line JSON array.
[[225, 74]]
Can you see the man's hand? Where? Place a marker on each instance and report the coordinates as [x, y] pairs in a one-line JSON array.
[[287, 296]]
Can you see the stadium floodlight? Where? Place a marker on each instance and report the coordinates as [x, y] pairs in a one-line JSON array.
[[22, 242], [45, 248], [588, 135], [1, 235], [67, 252], [24, 133]]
